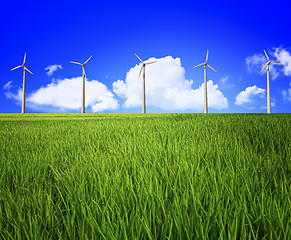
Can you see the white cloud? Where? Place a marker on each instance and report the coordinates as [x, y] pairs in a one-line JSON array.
[[119, 88], [284, 57], [52, 68], [224, 83], [256, 63], [287, 94], [16, 96], [224, 80], [272, 105], [65, 94], [8, 86], [167, 88], [248, 97]]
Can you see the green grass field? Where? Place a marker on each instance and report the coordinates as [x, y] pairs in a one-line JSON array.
[[153, 176]]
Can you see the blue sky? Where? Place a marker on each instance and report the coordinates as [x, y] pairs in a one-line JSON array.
[[176, 33]]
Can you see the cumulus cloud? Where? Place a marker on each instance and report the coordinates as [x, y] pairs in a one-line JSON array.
[[284, 57], [256, 63], [249, 96], [119, 87], [52, 68], [167, 88], [8, 86], [287, 94], [65, 94]]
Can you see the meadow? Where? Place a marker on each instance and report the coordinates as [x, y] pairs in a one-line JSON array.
[[153, 176]]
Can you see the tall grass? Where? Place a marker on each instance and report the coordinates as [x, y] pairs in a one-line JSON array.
[[154, 176]]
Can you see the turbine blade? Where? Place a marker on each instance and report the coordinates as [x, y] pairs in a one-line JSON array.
[[263, 68], [29, 71], [211, 68], [277, 63], [24, 58], [84, 73], [207, 56], [76, 63], [139, 58], [15, 68], [266, 55], [141, 70], [150, 62], [88, 59], [198, 65]]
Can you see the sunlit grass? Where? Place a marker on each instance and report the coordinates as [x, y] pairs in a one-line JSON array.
[[153, 176]]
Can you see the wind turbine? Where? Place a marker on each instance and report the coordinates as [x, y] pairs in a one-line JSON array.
[[23, 89], [205, 81], [143, 68], [268, 80], [84, 82]]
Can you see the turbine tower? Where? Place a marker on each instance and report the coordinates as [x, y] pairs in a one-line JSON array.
[[143, 68], [205, 81], [268, 80], [84, 82], [23, 88]]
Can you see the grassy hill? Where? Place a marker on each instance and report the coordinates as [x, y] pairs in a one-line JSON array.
[[153, 176]]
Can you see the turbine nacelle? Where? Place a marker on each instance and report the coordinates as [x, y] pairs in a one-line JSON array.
[[205, 64], [82, 64], [269, 62], [143, 64], [23, 66]]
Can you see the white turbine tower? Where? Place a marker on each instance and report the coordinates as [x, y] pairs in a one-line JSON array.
[[268, 80], [23, 88], [84, 82], [143, 68], [205, 81]]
